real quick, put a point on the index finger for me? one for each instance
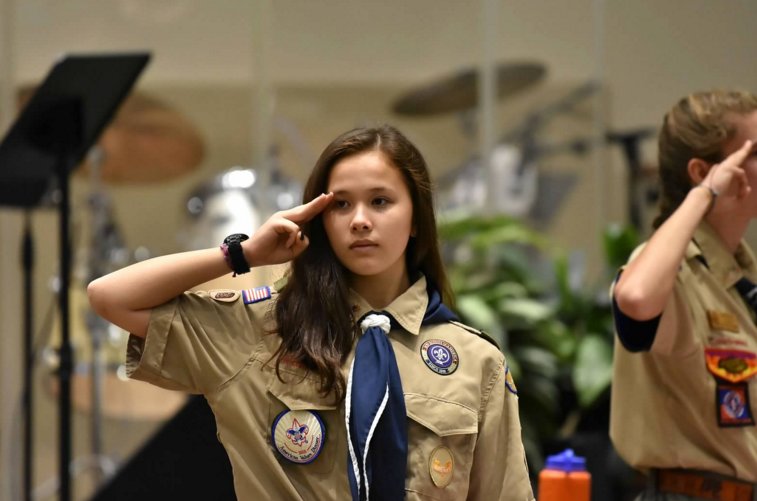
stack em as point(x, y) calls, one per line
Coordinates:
point(738, 156)
point(305, 212)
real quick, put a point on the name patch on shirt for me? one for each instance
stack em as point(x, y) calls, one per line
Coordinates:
point(251, 296)
point(722, 321)
point(298, 435)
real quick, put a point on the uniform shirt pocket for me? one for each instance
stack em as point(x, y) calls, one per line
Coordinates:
point(441, 441)
point(299, 392)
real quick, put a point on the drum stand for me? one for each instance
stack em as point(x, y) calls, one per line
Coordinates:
point(106, 243)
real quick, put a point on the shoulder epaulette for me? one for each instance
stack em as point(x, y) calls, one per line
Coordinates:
point(476, 332)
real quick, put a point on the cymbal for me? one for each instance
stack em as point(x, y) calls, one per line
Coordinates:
point(147, 141)
point(459, 91)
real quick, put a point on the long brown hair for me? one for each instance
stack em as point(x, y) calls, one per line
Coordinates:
point(313, 314)
point(698, 126)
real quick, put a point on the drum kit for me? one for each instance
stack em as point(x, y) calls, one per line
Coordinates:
point(523, 192)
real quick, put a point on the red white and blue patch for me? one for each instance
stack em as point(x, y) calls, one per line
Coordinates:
point(733, 405)
point(298, 435)
point(256, 295)
point(440, 356)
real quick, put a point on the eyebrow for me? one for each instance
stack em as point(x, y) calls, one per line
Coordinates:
point(377, 189)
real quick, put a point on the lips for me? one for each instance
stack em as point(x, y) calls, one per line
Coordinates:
point(362, 244)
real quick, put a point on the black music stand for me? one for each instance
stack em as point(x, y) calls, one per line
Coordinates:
point(63, 119)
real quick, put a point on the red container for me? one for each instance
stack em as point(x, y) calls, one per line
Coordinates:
point(564, 478)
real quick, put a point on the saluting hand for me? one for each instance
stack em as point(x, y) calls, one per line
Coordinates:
point(728, 178)
point(280, 238)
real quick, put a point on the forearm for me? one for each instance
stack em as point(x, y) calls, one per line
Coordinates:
point(126, 296)
point(646, 283)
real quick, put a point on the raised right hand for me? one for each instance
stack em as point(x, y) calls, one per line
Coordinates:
point(280, 238)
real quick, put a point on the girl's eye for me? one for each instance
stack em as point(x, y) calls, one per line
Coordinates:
point(340, 204)
point(380, 202)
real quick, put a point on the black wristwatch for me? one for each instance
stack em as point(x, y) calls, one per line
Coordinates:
point(233, 253)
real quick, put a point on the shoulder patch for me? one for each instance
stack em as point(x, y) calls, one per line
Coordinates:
point(224, 295)
point(251, 296)
point(476, 332)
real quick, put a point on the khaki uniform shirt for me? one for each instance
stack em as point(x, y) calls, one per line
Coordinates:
point(664, 411)
point(219, 348)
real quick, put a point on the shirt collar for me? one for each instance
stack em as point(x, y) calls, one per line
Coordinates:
point(408, 309)
point(727, 268)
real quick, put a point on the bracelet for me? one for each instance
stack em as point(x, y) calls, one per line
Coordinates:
point(713, 195)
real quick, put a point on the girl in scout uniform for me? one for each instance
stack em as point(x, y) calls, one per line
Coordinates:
point(351, 379)
point(685, 388)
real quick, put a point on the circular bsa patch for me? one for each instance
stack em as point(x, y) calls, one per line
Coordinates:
point(441, 464)
point(298, 435)
point(440, 356)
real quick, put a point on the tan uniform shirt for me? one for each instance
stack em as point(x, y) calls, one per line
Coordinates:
point(665, 411)
point(219, 348)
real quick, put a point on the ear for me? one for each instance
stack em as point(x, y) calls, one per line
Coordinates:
point(697, 170)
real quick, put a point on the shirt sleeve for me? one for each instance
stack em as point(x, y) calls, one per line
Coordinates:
point(499, 464)
point(194, 343)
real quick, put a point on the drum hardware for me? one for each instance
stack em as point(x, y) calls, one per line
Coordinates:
point(459, 92)
point(514, 168)
point(233, 201)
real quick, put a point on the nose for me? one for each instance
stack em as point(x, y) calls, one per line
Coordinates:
point(360, 220)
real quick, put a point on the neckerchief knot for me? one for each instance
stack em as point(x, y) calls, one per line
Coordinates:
point(376, 320)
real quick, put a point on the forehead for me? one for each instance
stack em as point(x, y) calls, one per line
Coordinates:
point(367, 170)
point(746, 128)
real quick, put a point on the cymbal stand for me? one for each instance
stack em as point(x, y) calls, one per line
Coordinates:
point(105, 242)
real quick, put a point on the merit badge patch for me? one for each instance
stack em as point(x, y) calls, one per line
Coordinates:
point(440, 356)
point(441, 465)
point(733, 405)
point(732, 365)
point(224, 295)
point(298, 435)
point(509, 382)
point(255, 295)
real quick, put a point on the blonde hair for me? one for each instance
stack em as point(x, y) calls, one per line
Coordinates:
point(698, 126)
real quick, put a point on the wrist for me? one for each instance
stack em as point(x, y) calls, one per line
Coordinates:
point(711, 193)
point(233, 253)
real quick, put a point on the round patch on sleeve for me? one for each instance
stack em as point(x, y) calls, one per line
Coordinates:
point(441, 465)
point(440, 356)
point(224, 295)
point(298, 435)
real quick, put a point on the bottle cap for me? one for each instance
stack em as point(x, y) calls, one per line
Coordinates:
point(566, 461)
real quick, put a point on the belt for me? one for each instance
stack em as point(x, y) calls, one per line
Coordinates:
point(704, 485)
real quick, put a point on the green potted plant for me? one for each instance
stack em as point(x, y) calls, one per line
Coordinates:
point(556, 332)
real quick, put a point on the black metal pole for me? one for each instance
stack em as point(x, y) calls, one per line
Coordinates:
point(27, 263)
point(65, 353)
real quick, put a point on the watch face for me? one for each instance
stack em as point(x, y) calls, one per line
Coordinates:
point(235, 238)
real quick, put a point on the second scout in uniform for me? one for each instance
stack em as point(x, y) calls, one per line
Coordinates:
point(352, 379)
point(684, 392)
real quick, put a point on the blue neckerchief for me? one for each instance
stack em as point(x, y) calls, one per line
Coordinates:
point(375, 409)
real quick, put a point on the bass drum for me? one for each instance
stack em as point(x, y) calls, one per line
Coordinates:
point(234, 202)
